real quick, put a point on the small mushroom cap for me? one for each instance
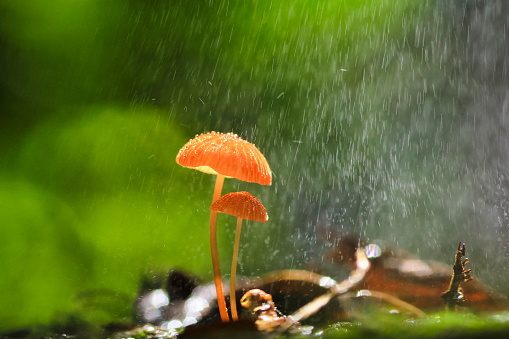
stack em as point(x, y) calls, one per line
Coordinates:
point(225, 154)
point(241, 205)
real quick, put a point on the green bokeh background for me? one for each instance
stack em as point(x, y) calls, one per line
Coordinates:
point(353, 103)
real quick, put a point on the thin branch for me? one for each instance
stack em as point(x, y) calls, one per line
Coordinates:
point(345, 286)
point(454, 296)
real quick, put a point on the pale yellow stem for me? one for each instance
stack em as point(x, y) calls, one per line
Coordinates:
point(221, 303)
point(233, 277)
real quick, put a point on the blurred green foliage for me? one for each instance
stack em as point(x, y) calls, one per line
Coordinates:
point(43, 259)
point(95, 203)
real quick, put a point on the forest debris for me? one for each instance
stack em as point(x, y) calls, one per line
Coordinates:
point(393, 276)
point(260, 304)
point(269, 319)
point(414, 280)
point(362, 266)
point(454, 295)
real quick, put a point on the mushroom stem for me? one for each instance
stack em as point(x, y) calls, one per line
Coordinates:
point(233, 277)
point(218, 188)
point(221, 303)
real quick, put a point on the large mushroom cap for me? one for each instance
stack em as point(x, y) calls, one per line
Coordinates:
point(241, 205)
point(225, 154)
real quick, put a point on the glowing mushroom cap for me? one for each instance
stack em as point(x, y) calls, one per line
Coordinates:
point(241, 205)
point(225, 154)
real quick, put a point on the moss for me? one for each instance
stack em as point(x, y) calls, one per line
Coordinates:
point(442, 325)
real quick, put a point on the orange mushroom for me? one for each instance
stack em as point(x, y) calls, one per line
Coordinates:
point(225, 155)
point(242, 205)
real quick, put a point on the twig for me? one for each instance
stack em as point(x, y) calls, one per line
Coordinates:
point(393, 300)
point(454, 296)
point(316, 304)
